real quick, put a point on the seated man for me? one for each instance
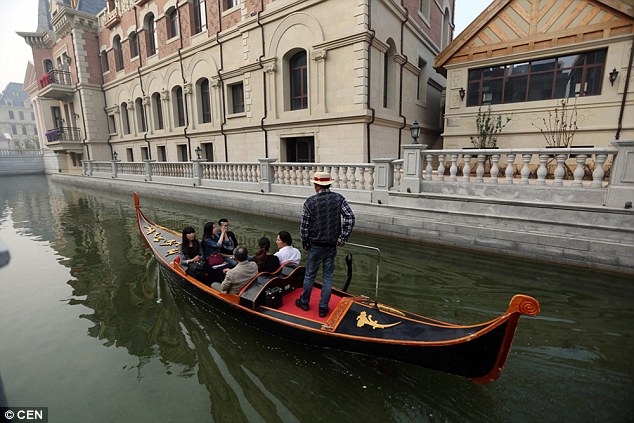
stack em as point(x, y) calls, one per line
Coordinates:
point(286, 252)
point(237, 277)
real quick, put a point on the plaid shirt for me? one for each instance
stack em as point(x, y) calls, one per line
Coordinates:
point(345, 212)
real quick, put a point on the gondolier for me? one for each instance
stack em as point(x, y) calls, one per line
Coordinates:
point(322, 232)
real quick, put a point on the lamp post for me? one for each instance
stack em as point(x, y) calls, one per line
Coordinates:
point(198, 151)
point(415, 131)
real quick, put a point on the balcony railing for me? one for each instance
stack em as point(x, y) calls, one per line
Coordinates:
point(63, 134)
point(113, 18)
point(56, 76)
point(57, 84)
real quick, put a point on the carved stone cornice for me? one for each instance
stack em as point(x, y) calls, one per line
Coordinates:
point(187, 88)
point(165, 95)
point(318, 55)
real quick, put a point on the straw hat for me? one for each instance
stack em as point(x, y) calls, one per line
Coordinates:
point(322, 178)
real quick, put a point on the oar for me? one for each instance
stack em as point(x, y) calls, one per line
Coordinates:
point(349, 278)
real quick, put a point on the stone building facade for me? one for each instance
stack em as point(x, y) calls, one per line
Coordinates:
point(300, 81)
point(17, 119)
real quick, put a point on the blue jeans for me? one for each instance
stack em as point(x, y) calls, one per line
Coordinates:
point(315, 256)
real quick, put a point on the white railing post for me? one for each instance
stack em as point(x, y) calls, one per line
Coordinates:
point(148, 169)
point(621, 187)
point(560, 172)
point(115, 168)
point(542, 172)
point(466, 168)
point(525, 172)
point(453, 171)
point(441, 167)
point(510, 167)
point(480, 169)
point(383, 181)
point(267, 172)
point(197, 171)
point(599, 172)
point(579, 170)
point(495, 170)
point(412, 167)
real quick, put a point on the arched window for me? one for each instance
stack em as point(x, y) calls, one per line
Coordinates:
point(125, 118)
point(179, 105)
point(150, 34)
point(172, 22)
point(48, 65)
point(140, 114)
point(157, 109)
point(204, 103)
point(446, 28)
point(133, 40)
point(118, 52)
point(298, 71)
point(105, 65)
point(199, 13)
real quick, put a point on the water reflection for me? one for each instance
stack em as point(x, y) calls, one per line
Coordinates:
point(578, 348)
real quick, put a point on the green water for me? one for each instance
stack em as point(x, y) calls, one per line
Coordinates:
point(83, 334)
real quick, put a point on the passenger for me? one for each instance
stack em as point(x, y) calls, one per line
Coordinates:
point(214, 262)
point(327, 221)
point(227, 241)
point(266, 261)
point(191, 253)
point(237, 277)
point(287, 254)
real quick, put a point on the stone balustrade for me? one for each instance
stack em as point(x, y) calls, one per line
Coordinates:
point(465, 172)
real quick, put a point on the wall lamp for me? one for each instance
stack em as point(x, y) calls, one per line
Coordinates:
point(462, 93)
point(415, 131)
point(198, 151)
point(613, 76)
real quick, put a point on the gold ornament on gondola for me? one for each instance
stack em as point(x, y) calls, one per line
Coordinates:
point(366, 319)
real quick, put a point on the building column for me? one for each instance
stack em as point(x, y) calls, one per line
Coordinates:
point(319, 56)
point(187, 93)
point(270, 70)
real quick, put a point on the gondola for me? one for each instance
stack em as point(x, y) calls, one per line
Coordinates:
point(353, 323)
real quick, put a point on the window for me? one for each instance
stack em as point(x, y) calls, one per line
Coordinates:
point(541, 79)
point(199, 16)
point(105, 66)
point(182, 153)
point(205, 101)
point(172, 22)
point(230, 3)
point(118, 53)
point(32, 116)
point(48, 65)
point(237, 98)
point(299, 81)
point(23, 129)
point(14, 129)
point(179, 106)
point(150, 34)
point(112, 126)
point(21, 115)
point(157, 108)
point(133, 40)
point(446, 29)
point(300, 149)
point(421, 87)
point(208, 151)
point(423, 8)
point(162, 154)
point(11, 115)
point(125, 118)
point(145, 155)
point(140, 114)
point(129, 154)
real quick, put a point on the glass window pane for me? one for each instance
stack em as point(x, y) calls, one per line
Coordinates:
point(475, 74)
point(493, 72)
point(595, 57)
point(517, 68)
point(542, 65)
point(593, 81)
point(492, 91)
point(473, 94)
point(541, 86)
point(568, 83)
point(570, 61)
point(515, 89)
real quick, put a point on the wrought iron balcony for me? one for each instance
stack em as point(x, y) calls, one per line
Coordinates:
point(65, 138)
point(57, 84)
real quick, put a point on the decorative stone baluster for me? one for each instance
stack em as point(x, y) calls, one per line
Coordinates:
point(525, 172)
point(480, 169)
point(344, 177)
point(579, 170)
point(510, 168)
point(441, 167)
point(598, 173)
point(352, 182)
point(453, 171)
point(428, 169)
point(369, 182)
point(466, 169)
point(559, 171)
point(542, 172)
point(398, 168)
point(495, 170)
point(335, 173)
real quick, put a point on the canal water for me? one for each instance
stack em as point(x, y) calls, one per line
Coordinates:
point(91, 328)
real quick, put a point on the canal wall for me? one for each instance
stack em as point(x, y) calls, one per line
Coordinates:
point(587, 236)
point(27, 162)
